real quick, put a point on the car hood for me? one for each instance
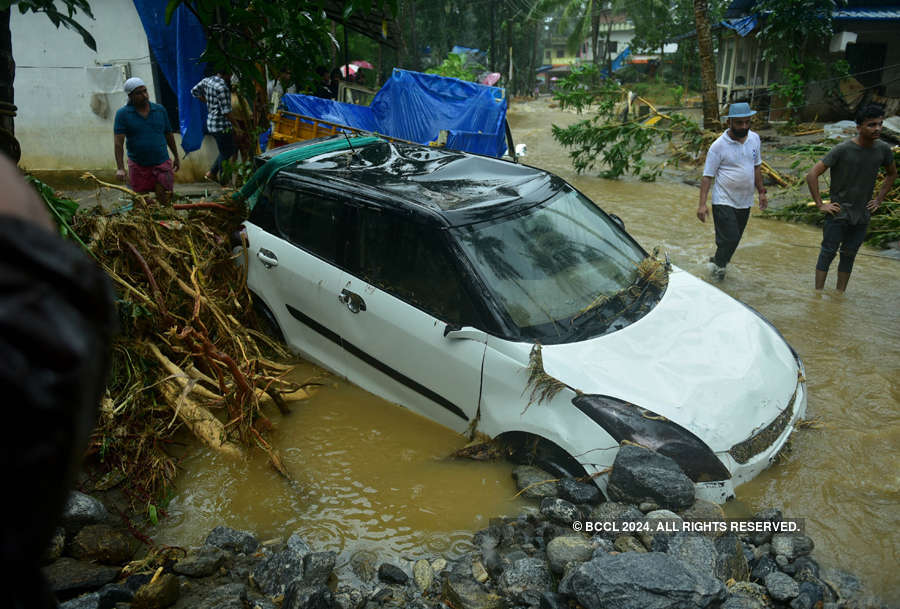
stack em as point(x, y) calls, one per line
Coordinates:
point(699, 358)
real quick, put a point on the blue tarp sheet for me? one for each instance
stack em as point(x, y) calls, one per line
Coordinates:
point(416, 107)
point(177, 48)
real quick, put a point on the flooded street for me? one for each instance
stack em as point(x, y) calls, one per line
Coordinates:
point(371, 476)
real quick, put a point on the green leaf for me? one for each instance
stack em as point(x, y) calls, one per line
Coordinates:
point(151, 514)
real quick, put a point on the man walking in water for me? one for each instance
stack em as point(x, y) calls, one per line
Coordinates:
point(734, 162)
point(854, 165)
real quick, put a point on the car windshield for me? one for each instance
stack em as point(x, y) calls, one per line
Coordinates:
point(560, 271)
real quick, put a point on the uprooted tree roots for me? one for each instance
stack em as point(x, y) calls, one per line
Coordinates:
point(189, 353)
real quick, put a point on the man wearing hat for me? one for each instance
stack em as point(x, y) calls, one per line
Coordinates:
point(145, 128)
point(733, 161)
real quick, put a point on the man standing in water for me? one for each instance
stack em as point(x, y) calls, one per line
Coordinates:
point(216, 94)
point(734, 162)
point(854, 166)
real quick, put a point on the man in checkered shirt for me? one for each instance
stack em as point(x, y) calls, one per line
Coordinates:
point(215, 93)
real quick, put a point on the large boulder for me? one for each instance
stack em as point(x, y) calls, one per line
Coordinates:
point(579, 493)
point(696, 551)
point(239, 542)
point(641, 475)
point(104, 544)
point(644, 581)
point(68, 576)
point(82, 510)
point(273, 574)
point(201, 562)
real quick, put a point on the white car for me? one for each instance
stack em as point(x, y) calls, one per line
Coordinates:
point(493, 296)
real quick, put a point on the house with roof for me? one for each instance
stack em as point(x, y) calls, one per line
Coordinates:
point(865, 36)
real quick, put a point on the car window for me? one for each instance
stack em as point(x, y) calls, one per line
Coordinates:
point(308, 221)
point(411, 262)
point(550, 264)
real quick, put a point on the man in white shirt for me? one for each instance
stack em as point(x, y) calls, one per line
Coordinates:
point(734, 162)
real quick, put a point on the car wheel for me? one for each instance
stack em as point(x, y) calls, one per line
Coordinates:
point(267, 322)
point(529, 449)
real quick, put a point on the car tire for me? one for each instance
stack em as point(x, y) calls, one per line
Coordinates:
point(529, 449)
point(267, 322)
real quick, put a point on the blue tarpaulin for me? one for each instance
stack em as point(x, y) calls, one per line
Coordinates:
point(177, 48)
point(416, 107)
point(742, 26)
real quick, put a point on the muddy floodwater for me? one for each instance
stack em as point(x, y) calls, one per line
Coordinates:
point(371, 476)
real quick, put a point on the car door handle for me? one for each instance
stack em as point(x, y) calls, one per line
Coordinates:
point(352, 301)
point(267, 257)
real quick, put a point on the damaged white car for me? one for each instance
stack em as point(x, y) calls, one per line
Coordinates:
point(491, 296)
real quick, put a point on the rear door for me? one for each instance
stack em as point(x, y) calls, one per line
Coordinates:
point(403, 290)
point(296, 240)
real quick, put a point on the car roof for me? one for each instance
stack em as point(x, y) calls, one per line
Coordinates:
point(449, 187)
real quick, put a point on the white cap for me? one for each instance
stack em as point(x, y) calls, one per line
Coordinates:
point(133, 83)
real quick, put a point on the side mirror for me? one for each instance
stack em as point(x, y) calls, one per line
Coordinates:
point(468, 333)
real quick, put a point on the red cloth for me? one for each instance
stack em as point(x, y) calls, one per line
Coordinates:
point(145, 179)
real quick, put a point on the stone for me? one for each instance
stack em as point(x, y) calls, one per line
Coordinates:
point(564, 586)
point(553, 600)
point(764, 566)
point(559, 510)
point(423, 574)
point(68, 576)
point(525, 581)
point(273, 574)
point(479, 572)
point(55, 547)
point(201, 562)
point(297, 595)
point(743, 602)
point(791, 545)
point(758, 538)
point(82, 510)
point(392, 574)
point(226, 596)
point(627, 543)
point(731, 562)
point(750, 591)
point(845, 584)
point(643, 581)
point(362, 563)
point(640, 474)
point(808, 596)
point(657, 540)
point(782, 561)
point(648, 506)
point(438, 565)
point(781, 587)
point(465, 593)
point(698, 552)
point(317, 567)
point(563, 550)
point(579, 493)
point(349, 598)
point(110, 594)
point(705, 511)
point(534, 482)
point(497, 561)
point(102, 543)
point(602, 545)
point(806, 567)
point(239, 542)
point(158, 593)
point(86, 601)
point(616, 513)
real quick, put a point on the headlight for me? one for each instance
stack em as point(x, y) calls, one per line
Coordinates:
point(625, 421)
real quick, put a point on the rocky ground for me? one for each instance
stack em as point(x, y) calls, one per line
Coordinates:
point(643, 557)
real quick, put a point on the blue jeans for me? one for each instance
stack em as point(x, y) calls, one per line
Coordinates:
point(227, 149)
point(839, 233)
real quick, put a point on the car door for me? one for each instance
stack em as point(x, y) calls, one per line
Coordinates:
point(296, 245)
point(401, 293)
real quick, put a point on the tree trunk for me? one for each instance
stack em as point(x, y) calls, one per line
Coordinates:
point(8, 143)
point(707, 66)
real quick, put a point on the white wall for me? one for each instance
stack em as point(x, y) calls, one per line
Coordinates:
point(57, 77)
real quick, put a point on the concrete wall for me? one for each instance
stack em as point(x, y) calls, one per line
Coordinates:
point(58, 79)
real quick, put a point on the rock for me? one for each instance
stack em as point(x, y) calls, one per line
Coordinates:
point(275, 572)
point(297, 595)
point(67, 576)
point(479, 572)
point(846, 585)
point(439, 565)
point(56, 545)
point(552, 600)
point(563, 550)
point(227, 596)
point(82, 510)
point(362, 563)
point(102, 543)
point(627, 543)
point(791, 545)
point(781, 587)
point(392, 574)
point(767, 515)
point(806, 567)
point(525, 581)
point(239, 542)
point(658, 540)
point(158, 593)
point(497, 561)
point(202, 562)
point(87, 601)
point(317, 567)
point(564, 586)
point(782, 561)
point(559, 510)
point(349, 598)
point(578, 492)
point(698, 552)
point(764, 566)
point(465, 593)
point(640, 474)
point(808, 596)
point(616, 513)
point(643, 581)
point(743, 602)
point(423, 574)
point(731, 562)
point(533, 482)
point(704, 511)
point(601, 545)
point(751, 592)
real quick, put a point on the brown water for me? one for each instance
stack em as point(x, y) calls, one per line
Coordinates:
point(372, 477)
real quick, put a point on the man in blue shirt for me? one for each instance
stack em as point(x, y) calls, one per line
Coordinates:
point(146, 129)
